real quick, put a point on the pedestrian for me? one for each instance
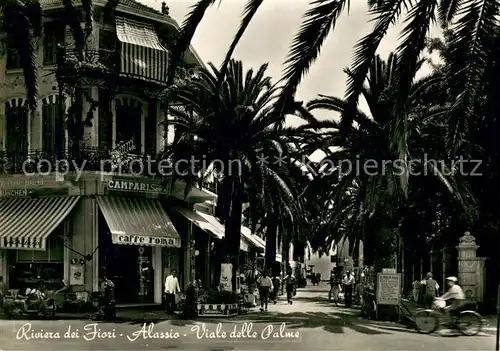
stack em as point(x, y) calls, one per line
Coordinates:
point(265, 287)
point(431, 288)
point(318, 278)
point(290, 286)
point(416, 290)
point(172, 288)
point(276, 289)
point(348, 283)
point(333, 294)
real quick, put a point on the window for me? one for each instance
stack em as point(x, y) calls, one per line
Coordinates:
point(107, 40)
point(128, 127)
point(17, 128)
point(53, 35)
point(52, 128)
point(13, 61)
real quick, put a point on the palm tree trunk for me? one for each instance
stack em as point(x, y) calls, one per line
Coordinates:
point(271, 237)
point(233, 227)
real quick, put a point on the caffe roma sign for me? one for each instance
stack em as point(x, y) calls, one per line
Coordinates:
point(126, 239)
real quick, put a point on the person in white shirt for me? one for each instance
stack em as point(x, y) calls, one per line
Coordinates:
point(265, 287)
point(455, 295)
point(172, 288)
point(348, 283)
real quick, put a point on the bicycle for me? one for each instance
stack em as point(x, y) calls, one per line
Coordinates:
point(429, 320)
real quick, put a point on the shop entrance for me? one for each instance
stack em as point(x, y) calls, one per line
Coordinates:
point(130, 268)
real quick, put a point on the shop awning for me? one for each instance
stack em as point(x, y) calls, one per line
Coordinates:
point(25, 224)
point(141, 52)
point(279, 258)
point(138, 221)
point(246, 233)
point(203, 221)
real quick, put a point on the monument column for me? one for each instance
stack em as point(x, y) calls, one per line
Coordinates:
point(471, 269)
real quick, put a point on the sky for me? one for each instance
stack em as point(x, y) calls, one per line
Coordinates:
point(269, 35)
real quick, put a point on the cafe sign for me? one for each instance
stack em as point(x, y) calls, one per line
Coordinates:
point(128, 239)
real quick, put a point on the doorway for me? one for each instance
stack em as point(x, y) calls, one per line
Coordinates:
point(129, 267)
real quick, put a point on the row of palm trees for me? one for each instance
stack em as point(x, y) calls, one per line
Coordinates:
point(237, 116)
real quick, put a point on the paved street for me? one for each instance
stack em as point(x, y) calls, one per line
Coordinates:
point(311, 324)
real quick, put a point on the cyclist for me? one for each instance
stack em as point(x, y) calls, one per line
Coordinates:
point(455, 295)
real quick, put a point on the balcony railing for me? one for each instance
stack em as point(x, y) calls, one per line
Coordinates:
point(72, 62)
point(88, 159)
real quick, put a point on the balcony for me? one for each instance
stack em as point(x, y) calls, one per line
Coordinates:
point(88, 159)
point(93, 62)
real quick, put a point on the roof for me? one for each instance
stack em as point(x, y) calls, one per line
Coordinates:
point(132, 4)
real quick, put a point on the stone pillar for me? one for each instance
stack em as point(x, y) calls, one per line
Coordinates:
point(471, 269)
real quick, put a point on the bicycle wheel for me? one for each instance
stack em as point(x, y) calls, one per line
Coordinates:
point(470, 323)
point(426, 321)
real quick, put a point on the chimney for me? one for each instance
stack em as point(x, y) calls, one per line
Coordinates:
point(164, 8)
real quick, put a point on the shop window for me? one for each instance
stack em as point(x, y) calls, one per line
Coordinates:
point(52, 129)
point(17, 127)
point(28, 267)
point(54, 252)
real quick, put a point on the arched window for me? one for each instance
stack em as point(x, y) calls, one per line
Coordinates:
point(16, 115)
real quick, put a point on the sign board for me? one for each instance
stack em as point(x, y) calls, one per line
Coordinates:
point(388, 288)
point(76, 276)
point(226, 276)
point(125, 185)
point(144, 240)
point(389, 270)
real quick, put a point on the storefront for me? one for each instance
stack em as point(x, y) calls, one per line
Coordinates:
point(32, 237)
point(133, 232)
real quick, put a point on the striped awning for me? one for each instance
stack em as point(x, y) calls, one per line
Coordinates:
point(255, 241)
point(202, 221)
point(138, 221)
point(141, 52)
point(25, 224)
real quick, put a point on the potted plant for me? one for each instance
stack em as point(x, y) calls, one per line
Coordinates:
point(217, 303)
point(251, 271)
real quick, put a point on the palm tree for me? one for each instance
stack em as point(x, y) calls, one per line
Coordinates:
point(365, 206)
point(472, 26)
point(237, 136)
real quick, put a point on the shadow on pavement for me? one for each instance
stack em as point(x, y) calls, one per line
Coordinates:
point(331, 322)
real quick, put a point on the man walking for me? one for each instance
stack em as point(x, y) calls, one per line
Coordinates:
point(348, 283)
point(290, 286)
point(265, 287)
point(431, 288)
point(172, 288)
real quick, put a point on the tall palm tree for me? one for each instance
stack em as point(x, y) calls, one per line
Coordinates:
point(236, 136)
point(365, 205)
point(472, 25)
